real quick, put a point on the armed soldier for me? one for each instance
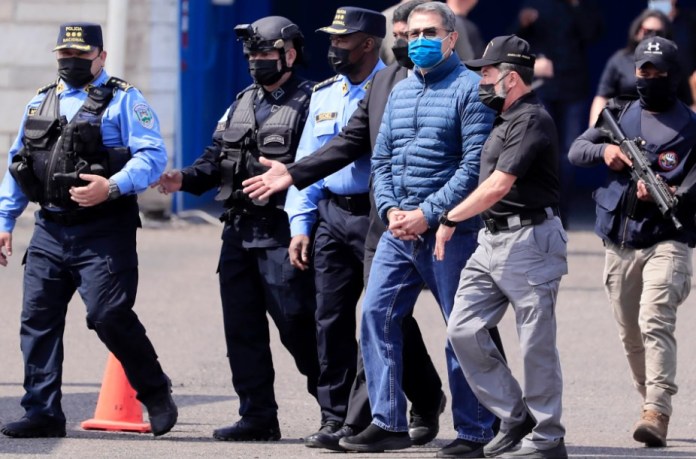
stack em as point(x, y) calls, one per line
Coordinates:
point(648, 266)
point(255, 273)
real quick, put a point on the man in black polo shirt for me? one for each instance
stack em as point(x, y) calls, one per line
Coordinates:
point(520, 259)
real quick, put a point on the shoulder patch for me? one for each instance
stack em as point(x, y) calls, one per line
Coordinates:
point(47, 87)
point(325, 83)
point(118, 83)
point(144, 114)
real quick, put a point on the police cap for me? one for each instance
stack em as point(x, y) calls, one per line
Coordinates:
point(350, 19)
point(660, 52)
point(509, 49)
point(82, 36)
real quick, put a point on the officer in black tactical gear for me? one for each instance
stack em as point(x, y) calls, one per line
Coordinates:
point(88, 144)
point(255, 273)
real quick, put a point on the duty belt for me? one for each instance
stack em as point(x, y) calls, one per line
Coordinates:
point(517, 221)
point(89, 214)
point(353, 203)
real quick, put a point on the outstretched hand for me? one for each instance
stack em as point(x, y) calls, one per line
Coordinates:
point(263, 186)
point(169, 182)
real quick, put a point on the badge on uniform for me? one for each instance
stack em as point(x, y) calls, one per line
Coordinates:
point(344, 88)
point(145, 115)
point(668, 160)
point(326, 116)
point(31, 111)
point(278, 93)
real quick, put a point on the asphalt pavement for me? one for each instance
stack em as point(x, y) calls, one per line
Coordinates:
point(179, 304)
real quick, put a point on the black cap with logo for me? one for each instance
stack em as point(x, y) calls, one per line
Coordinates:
point(660, 52)
point(510, 49)
point(350, 19)
point(82, 36)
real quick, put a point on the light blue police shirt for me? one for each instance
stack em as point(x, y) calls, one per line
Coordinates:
point(329, 110)
point(127, 121)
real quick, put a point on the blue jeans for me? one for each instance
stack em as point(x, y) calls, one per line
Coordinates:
point(399, 271)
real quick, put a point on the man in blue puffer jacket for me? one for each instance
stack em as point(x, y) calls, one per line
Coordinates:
point(425, 161)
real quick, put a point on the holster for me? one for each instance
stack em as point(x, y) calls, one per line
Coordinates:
point(23, 173)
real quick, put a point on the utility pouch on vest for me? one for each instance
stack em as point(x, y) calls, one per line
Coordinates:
point(22, 172)
point(234, 145)
point(70, 179)
point(40, 131)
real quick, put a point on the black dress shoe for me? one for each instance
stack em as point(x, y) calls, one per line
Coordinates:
point(375, 439)
point(330, 440)
point(162, 412)
point(245, 430)
point(326, 428)
point(505, 440)
point(424, 427)
point(462, 448)
point(37, 427)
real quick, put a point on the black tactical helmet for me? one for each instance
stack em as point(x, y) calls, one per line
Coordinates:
point(269, 33)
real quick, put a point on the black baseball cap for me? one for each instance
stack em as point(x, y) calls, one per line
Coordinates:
point(350, 19)
point(659, 51)
point(83, 36)
point(510, 49)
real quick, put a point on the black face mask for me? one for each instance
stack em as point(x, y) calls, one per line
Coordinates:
point(656, 94)
point(400, 50)
point(490, 98)
point(339, 60)
point(75, 71)
point(265, 72)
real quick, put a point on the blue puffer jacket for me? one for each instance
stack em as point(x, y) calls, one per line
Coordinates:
point(428, 149)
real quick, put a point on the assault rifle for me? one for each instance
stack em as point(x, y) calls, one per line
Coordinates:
point(640, 170)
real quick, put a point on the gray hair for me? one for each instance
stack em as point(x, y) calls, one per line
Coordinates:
point(526, 73)
point(445, 13)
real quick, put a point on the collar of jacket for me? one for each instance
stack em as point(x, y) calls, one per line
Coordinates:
point(441, 70)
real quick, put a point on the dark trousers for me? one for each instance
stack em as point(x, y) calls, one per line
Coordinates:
point(254, 282)
point(99, 260)
point(339, 245)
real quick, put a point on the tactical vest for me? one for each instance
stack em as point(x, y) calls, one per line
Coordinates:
point(56, 151)
point(243, 143)
point(621, 216)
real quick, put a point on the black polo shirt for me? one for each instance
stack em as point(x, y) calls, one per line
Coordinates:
point(523, 143)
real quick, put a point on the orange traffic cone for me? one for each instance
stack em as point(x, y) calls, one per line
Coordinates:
point(117, 407)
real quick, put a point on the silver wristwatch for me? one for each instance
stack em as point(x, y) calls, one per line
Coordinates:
point(114, 192)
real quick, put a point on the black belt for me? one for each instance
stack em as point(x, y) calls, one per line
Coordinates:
point(353, 203)
point(88, 214)
point(520, 220)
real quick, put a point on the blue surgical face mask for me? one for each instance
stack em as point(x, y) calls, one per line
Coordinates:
point(664, 6)
point(426, 52)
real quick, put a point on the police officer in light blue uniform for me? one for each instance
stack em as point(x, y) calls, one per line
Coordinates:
point(339, 206)
point(87, 144)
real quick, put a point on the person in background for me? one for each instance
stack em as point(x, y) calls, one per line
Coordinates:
point(619, 75)
point(559, 32)
point(470, 44)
